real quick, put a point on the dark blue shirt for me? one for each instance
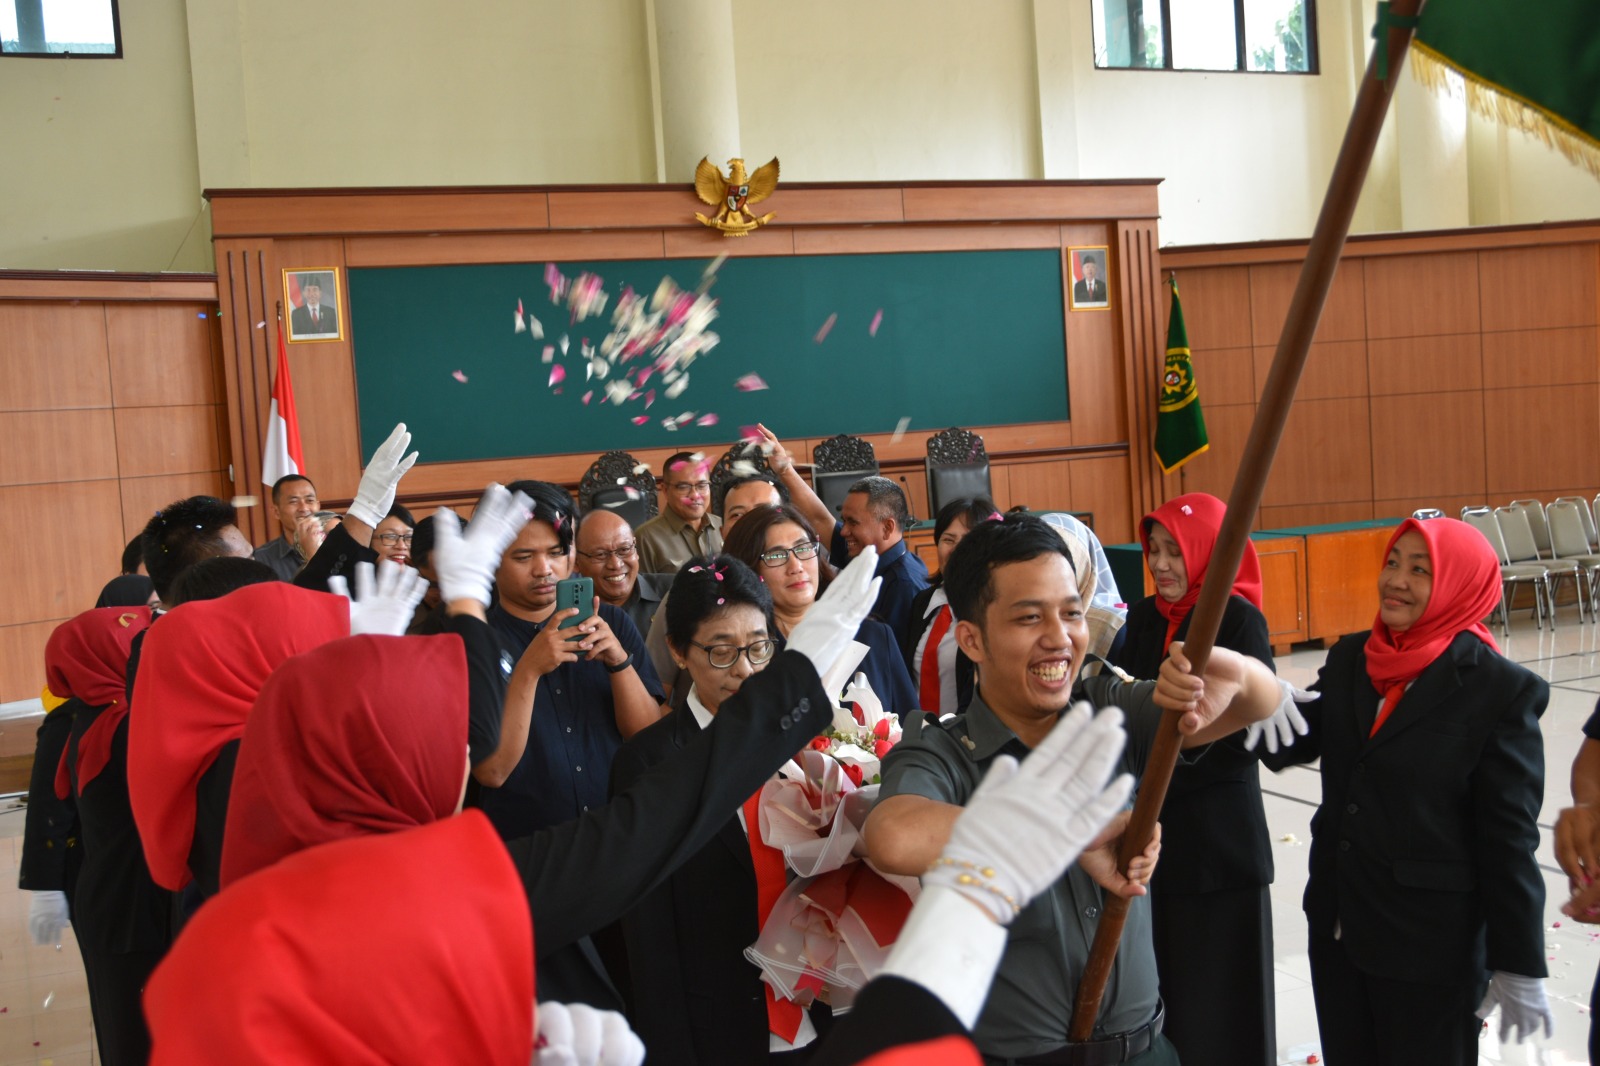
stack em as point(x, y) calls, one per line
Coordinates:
point(884, 667)
point(566, 768)
point(904, 575)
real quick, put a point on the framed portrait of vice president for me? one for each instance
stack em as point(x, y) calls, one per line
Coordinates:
point(1089, 289)
point(312, 296)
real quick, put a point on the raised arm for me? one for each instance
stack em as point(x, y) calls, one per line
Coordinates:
point(801, 495)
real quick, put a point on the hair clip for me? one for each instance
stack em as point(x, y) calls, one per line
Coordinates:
point(995, 516)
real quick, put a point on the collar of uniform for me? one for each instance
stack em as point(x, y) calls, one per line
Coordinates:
point(677, 523)
point(987, 735)
point(888, 558)
point(282, 547)
point(703, 718)
point(650, 587)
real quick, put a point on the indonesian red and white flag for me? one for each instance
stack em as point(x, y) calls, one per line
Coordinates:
point(282, 454)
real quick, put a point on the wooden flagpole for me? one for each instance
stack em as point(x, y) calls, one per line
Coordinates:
point(1397, 21)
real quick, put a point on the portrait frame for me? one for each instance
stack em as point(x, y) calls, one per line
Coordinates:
point(1100, 255)
point(297, 324)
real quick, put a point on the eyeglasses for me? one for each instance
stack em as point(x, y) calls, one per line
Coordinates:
point(780, 556)
point(624, 553)
point(723, 656)
point(391, 539)
point(687, 487)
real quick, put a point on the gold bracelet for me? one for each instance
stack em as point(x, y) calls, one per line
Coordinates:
point(968, 879)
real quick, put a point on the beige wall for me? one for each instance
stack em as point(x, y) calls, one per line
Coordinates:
point(219, 94)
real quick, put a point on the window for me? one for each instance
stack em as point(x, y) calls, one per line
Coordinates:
point(1273, 36)
point(60, 28)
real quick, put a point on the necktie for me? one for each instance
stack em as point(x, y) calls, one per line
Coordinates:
point(928, 683)
point(1390, 698)
point(783, 1015)
point(314, 316)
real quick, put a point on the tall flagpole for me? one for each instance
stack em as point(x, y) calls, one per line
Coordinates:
point(1396, 22)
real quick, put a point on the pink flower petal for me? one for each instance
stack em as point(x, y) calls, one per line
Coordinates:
point(822, 334)
point(641, 420)
point(750, 383)
point(877, 320)
point(558, 374)
point(649, 398)
point(706, 420)
point(750, 434)
point(548, 354)
point(459, 376)
point(587, 397)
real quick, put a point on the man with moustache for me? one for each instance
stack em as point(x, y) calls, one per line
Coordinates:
point(609, 554)
point(686, 529)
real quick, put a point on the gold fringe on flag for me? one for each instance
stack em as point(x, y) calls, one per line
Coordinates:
point(1500, 105)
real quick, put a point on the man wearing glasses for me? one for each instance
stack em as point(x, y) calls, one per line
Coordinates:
point(686, 529)
point(609, 555)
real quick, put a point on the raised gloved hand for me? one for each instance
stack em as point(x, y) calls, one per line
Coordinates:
point(1523, 1005)
point(383, 605)
point(1286, 722)
point(466, 561)
point(579, 1035)
point(1026, 823)
point(831, 623)
point(47, 916)
point(375, 495)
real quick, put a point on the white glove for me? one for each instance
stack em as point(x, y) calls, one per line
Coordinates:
point(383, 607)
point(1286, 722)
point(466, 561)
point(47, 916)
point(580, 1035)
point(1025, 824)
point(375, 495)
point(1523, 1005)
point(831, 623)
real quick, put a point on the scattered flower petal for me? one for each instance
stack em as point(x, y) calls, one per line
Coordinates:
point(750, 434)
point(587, 397)
point(558, 374)
point(877, 320)
point(750, 383)
point(822, 334)
point(706, 420)
point(900, 428)
point(459, 376)
point(641, 420)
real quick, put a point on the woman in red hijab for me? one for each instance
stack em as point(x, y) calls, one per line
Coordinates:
point(121, 918)
point(1210, 899)
point(1424, 890)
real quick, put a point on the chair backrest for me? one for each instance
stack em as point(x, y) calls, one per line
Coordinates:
point(834, 485)
point(614, 471)
point(1536, 523)
point(1483, 520)
point(956, 447)
point(626, 501)
point(1516, 534)
point(946, 483)
point(845, 453)
point(1425, 513)
point(1567, 537)
point(1585, 515)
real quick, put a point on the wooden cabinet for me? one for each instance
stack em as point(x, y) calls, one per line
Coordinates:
point(1342, 567)
point(1283, 588)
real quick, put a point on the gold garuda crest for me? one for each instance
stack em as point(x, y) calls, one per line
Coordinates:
point(733, 195)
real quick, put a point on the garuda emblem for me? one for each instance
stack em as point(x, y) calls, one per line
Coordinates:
point(733, 195)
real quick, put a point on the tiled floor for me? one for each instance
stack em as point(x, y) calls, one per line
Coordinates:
point(44, 1005)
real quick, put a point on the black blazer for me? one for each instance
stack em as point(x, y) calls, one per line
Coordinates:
point(1213, 825)
point(327, 321)
point(917, 625)
point(1423, 848)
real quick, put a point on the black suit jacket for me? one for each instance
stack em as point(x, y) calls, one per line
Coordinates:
point(1423, 848)
point(1080, 292)
point(301, 325)
point(586, 873)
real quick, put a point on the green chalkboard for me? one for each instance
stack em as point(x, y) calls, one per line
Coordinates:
point(965, 338)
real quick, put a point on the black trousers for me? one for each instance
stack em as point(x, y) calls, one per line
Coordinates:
point(1214, 958)
point(116, 992)
point(1375, 1021)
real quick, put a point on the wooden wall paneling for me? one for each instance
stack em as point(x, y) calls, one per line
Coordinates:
point(1450, 505)
point(1450, 362)
point(72, 548)
point(249, 330)
point(1272, 287)
point(1103, 486)
point(1041, 486)
point(1540, 438)
point(1387, 245)
point(375, 211)
point(1283, 590)
point(1333, 369)
point(1325, 455)
point(1427, 444)
point(1514, 358)
point(1216, 306)
point(1293, 516)
point(142, 497)
point(848, 240)
point(44, 447)
point(78, 286)
point(1213, 471)
point(1096, 341)
point(444, 249)
point(53, 356)
point(855, 206)
point(1225, 376)
point(1000, 485)
point(1421, 295)
point(160, 354)
point(960, 203)
point(1538, 288)
point(705, 243)
point(666, 205)
point(22, 657)
point(167, 440)
point(1142, 353)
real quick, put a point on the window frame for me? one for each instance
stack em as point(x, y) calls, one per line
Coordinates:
point(1313, 45)
point(116, 33)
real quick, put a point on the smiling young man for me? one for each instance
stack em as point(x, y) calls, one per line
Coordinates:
point(1021, 619)
point(294, 500)
point(686, 529)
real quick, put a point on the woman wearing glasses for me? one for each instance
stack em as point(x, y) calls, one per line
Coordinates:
point(699, 921)
point(391, 538)
point(781, 547)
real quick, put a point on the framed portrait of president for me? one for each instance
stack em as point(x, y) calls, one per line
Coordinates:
point(1090, 291)
point(312, 298)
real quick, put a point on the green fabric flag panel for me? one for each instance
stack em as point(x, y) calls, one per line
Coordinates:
point(1180, 425)
point(943, 339)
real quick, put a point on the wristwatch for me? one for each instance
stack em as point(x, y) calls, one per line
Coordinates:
point(623, 665)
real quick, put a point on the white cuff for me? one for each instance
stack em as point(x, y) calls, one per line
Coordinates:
point(951, 947)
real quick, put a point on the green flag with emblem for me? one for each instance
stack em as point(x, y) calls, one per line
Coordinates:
point(1180, 426)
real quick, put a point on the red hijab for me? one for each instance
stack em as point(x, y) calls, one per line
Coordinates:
point(199, 675)
point(1466, 587)
point(1194, 520)
point(87, 658)
point(411, 947)
point(361, 736)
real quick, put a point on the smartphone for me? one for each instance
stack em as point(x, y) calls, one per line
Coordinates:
point(575, 592)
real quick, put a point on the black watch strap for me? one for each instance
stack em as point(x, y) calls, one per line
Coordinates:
point(623, 665)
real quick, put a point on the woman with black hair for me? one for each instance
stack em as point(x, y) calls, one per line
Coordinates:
point(943, 675)
point(782, 548)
